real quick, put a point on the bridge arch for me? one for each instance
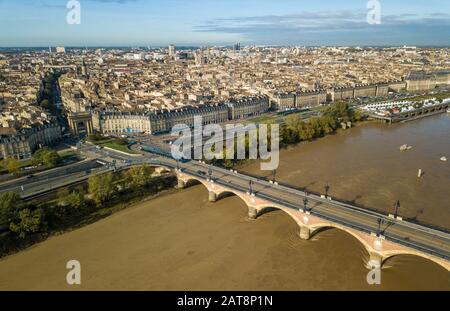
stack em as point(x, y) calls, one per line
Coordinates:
point(290, 212)
point(317, 228)
point(441, 263)
point(191, 181)
point(221, 194)
point(380, 255)
point(217, 192)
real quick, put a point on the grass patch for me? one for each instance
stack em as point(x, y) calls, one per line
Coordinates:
point(113, 143)
point(117, 146)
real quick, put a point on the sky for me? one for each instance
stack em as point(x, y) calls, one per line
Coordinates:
point(25, 23)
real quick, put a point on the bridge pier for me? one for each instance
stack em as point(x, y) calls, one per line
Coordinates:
point(375, 261)
point(305, 233)
point(181, 184)
point(252, 213)
point(212, 196)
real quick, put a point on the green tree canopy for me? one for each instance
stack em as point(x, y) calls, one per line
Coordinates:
point(12, 165)
point(10, 203)
point(45, 103)
point(28, 222)
point(101, 187)
point(47, 157)
point(138, 176)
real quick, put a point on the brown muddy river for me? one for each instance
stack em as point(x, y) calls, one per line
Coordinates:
point(182, 242)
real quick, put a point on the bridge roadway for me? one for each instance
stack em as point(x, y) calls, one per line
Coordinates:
point(418, 237)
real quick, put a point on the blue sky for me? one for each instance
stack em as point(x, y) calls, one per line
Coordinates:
point(222, 22)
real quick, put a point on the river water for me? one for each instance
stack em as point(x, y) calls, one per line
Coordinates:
point(180, 241)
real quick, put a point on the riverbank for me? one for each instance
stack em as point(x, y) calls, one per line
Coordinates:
point(73, 209)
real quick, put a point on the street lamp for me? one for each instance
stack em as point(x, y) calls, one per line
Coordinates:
point(380, 221)
point(274, 173)
point(397, 206)
point(250, 183)
point(327, 189)
point(210, 172)
point(305, 202)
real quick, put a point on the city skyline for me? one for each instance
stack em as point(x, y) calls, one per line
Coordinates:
point(139, 23)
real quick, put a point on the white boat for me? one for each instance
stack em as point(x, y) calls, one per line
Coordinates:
point(444, 159)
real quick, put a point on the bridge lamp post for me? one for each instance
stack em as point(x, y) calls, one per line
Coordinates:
point(397, 206)
point(274, 174)
point(250, 183)
point(305, 203)
point(380, 222)
point(210, 173)
point(327, 189)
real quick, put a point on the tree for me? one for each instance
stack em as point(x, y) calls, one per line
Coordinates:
point(28, 222)
point(289, 135)
point(328, 124)
point(316, 127)
point(306, 132)
point(101, 187)
point(10, 202)
point(38, 156)
point(51, 158)
point(94, 138)
point(44, 156)
point(294, 122)
point(76, 200)
point(339, 111)
point(12, 165)
point(138, 176)
point(63, 196)
point(46, 104)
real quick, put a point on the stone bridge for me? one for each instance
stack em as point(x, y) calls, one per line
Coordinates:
point(379, 249)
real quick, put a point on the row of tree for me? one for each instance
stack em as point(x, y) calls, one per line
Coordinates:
point(44, 156)
point(47, 99)
point(296, 130)
point(24, 219)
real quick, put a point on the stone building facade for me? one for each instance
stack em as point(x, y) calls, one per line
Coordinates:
point(22, 144)
point(121, 122)
point(310, 98)
point(283, 101)
point(247, 107)
point(164, 121)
